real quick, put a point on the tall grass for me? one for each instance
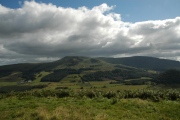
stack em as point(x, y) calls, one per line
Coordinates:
point(154, 95)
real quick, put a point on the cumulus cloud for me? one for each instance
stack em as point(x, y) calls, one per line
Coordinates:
point(43, 32)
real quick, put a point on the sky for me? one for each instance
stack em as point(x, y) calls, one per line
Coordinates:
point(47, 30)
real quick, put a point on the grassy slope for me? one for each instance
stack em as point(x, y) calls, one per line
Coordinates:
point(40, 75)
point(14, 77)
point(85, 62)
point(67, 62)
point(145, 62)
point(33, 108)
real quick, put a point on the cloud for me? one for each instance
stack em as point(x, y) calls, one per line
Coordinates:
point(42, 32)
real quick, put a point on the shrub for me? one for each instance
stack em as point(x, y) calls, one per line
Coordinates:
point(90, 94)
point(61, 88)
point(154, 95)
point(62, 93)
point(110, 94)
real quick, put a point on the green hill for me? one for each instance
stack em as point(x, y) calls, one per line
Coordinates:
point(88, 69)
point(76, 87)
point(145, 62)
point(28, 70)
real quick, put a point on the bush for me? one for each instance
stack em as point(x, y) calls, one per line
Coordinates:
point(110, 94)
point(90, 94)
point(62, 93)
point(61, 88)
point(154, 95)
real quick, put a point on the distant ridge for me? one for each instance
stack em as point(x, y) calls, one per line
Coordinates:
point(144, 62)
point(77, 61)
point(88, 69)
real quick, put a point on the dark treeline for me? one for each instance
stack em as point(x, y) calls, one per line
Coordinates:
point(133, 82)
point(29, 75)
point(58, 75)
point(171, 76)
point(137, 82)
point(28, 70)
point(116, 74)
point(4, 73)
point(26, 75)
point(6, 89)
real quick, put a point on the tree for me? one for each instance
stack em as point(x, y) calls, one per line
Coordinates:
point(169, 77)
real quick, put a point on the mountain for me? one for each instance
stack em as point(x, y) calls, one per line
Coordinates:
point(145, 62)
point(87, 69)
point(28, 70)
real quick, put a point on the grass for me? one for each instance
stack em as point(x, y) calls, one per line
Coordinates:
point(72, 78)
point(70, 108)
point(142, 78)
point(86, 63)
point(96, 101)
point(100, 85)
point(99, 103)
point(40, 76)
point(14, 77)
point(104, 85)
point(7, 83)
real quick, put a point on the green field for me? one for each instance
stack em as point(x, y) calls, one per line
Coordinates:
point(72, 99)
point(38, 107)
point(102, 85)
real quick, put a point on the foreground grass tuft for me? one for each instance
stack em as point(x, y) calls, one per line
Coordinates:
point(70, 108)
point(145, 94)
point(90, 105)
